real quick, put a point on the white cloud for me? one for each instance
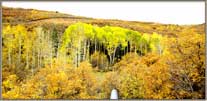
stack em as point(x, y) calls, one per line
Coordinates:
point(162, 12)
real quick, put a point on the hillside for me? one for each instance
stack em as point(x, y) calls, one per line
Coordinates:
point(51, 55)
point(32, 17)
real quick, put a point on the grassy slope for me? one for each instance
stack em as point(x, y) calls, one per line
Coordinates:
point(32, 17)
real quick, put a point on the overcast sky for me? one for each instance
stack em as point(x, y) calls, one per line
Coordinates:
point(161, 12)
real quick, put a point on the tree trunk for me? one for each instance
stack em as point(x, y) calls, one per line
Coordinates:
point(141, 49)
point(33, 60)
point(95, 45)
point(98, 55)
point(27, 59)
point(84, 50)
point(110, 62)
point(87, 51)
point(130, 49)
point(9, 57)
point(90, 58)
point(114, 56)
point(135, 50)
point(79, 52)
point(20, 44)
point(38, 58)
point(88, 55)
point(51, 55)
point(57, 50)
point(76, 58)
point(160, 50)
point(127, 47)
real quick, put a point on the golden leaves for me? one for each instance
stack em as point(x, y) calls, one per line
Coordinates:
point(57, 82)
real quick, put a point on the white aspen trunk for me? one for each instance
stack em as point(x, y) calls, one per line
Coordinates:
point(33, 60)
point(160, 49)
point(85, 47)
point(51, 54)
point(89, 57)
point(110, 56)
point(114, 56)
point(38, 50)
point(87, 50)
point(38, 58)
point(79, 52)
point(9, 57)
point(97, 58)
point(99, 54)
point(27, 59)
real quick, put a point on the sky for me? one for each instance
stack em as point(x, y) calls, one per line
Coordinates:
point(182, 13)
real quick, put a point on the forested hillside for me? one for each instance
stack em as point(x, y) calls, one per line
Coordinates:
point(50, 55)
point(33, 18)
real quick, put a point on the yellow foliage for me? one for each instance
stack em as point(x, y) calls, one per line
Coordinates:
point(145, 77)
point(57, 82)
